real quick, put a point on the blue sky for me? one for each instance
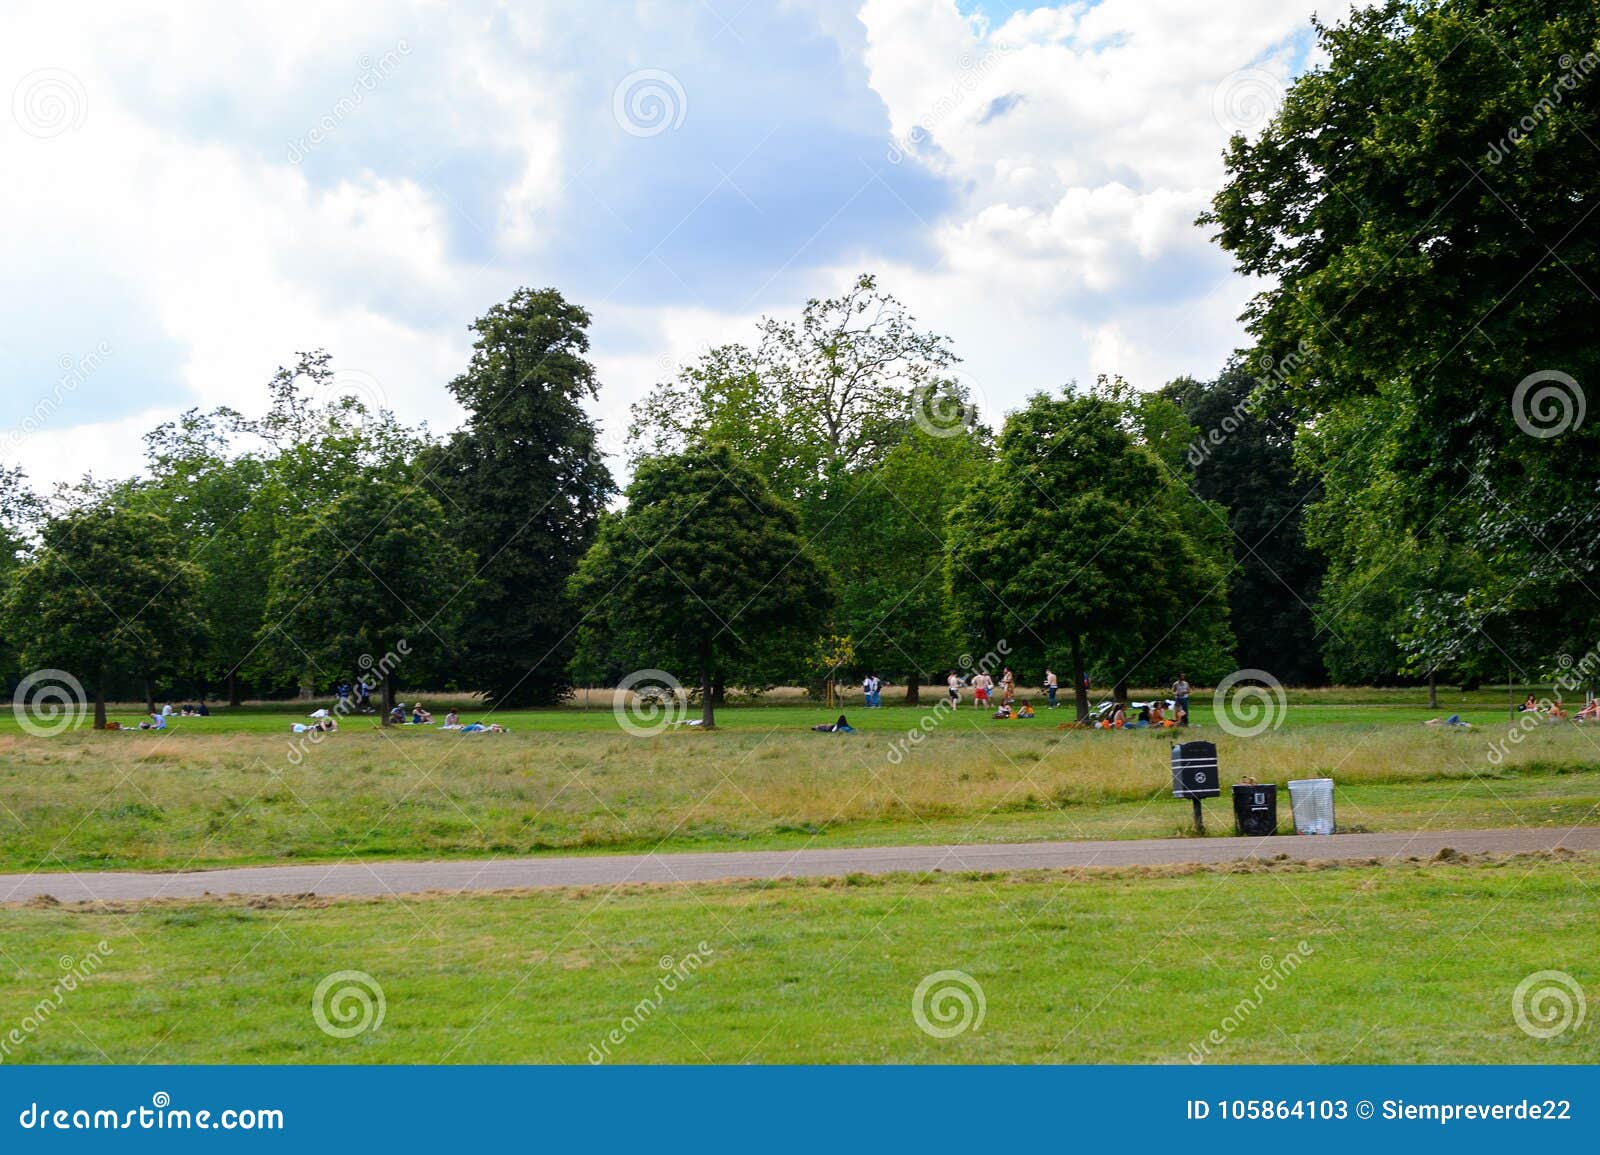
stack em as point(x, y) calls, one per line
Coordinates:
point(200, 193)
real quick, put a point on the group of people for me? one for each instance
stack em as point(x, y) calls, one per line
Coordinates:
point(1151, 715)
point(357, 698)
point(421, 716)
point(1556, 711)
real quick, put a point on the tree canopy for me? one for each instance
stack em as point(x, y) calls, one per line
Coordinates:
point(705, 569)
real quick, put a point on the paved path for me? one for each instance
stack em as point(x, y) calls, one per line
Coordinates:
point(376, 878)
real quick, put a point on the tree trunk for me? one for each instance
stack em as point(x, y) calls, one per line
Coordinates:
point(388, 695)
point(204, 685)
point(1433, 689)
point(708, 703)
point(149, 697)
point(1080, 694)
point(1120, 691)
point(719, 691)
point(99, 707)
point(913, 688)
point(233, 688)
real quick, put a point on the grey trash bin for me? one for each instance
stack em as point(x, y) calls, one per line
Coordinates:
point(1311, 800)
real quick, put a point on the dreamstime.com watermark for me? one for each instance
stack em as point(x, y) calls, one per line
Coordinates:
point(348, 1003)
point(1571, 677)
point(76, 971)
point(367, 81)
point(1548, 403)
point(934, 718)
point(1574, 72)
point(649, 102)
point(1548, 1003)
point(74, 372)
point(49, 102)
point(948, 1003)
point(160, 1115)
point(1249, 702)
point(675, 973)
point(648, 701)
point(950, 406)
point(48, 702)
point(1245, 100)
point(1274, 973)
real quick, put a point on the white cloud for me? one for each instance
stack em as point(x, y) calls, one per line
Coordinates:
point(1084, 142)
point(1077, 144)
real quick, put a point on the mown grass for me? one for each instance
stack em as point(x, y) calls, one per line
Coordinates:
point(231, 790)
point(1415, 963)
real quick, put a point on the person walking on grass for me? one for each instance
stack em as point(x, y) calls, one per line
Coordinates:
point(1180, 697)
point(954, 682)
point(1050, 687)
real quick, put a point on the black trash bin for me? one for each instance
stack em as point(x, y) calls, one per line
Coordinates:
point(1255, 809)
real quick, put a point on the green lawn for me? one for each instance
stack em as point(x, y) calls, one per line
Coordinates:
point(1413, 963)
point(240, 788)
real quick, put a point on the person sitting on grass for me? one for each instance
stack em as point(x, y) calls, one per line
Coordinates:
point(452, 721)
point(420, 717)
point(1158, 714)
point(158, 721)
point(397, 716)
point(1557, 711)
point(1530, 705)
point(1024, 711)
point(839, 727)
point(1590, 712)
point(1004, 712)
point(1119, 717)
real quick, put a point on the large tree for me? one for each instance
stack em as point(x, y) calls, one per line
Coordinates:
point(524, 486)
point(369, 576)
point(1242, 458)
point(705, 570)
point(854, 413)
point(832, 390)
point(108, 595)
point(20, 514)
point(882, 531)
point(212, 495)
point(1420, 211)
point(1081, 550)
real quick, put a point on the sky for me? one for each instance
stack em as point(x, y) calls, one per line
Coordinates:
point(194, 192)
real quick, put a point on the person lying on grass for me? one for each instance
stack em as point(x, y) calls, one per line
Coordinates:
point(480, 728)
point(1590, 713)
point(1452, 720)
point(839, 727)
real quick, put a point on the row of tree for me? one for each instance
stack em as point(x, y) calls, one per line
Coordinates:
point(821, 503)
point(1376, 489)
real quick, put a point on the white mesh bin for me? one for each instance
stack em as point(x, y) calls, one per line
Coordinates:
point(1311, 799)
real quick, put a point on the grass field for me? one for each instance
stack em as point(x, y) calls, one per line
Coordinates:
point(1409, 963)
point(239, 788)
